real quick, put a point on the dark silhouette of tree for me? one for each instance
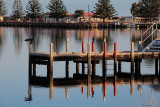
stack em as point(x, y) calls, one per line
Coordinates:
point(104, 9)
point(33, 9)
point(57, 9)
point(17, 12)
point(79, 13)
point(146, 8)
point(3, 10)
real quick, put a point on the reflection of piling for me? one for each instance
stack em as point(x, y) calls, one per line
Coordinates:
point(132, 68)
point(67, 92)
point(51, 71)
point(115, 88)
point(82, 90)
point(104, 90)
point(92, 90)
point(105, 62)
point(89, 69)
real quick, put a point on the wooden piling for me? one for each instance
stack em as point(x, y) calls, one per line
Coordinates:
point(83, 68)
point(77, 68)
point(138, 68)
point(93, 69)
point(132, 68)
point(89, 69)
point(104, 62)
point(51, 71)
point(119, 66)
point(93, 47)
point(30, 63)
point(67, 69)
point(115, 61)
point(156, 66)
point(83, 47)
point(132, 57)
point(34, 70)
point(67, 44)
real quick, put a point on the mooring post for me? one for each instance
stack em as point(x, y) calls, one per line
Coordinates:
point(89, 69)
point(67, 44)
point(83, 47)
point(132, 68)
point(51, 71)
point(105, 62)
point(115, 88)
point(93, 46)
point(119, 66)
point(140, 46)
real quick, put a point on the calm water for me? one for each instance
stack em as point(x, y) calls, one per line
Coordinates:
point(14, 69)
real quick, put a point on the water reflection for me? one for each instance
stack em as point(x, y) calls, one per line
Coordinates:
point(18, 39)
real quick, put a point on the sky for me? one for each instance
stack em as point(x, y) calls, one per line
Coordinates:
point(122, 6)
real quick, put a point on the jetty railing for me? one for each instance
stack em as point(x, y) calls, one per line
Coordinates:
point(151, 34)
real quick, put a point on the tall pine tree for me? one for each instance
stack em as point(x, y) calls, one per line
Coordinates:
point(33, 9)
point(57, 9)
point(146, 8)
point(17, 12)
point(104, 9)
point(3, 10)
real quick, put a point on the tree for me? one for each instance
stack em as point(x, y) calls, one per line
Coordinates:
point(17, 9)
point(33, 9)
point(3, 10)
point(79, 13)
point(146, 8)
point(57, 9)
point(104, 9)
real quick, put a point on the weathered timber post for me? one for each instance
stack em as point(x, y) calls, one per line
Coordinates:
point(77, 68)
point(67, 62)
point(34, 70)
point(93, 62)
point(138, 68)
point(115, 61)
point(132, 68)
point(105, 62)
point(115, 69)
point(93, 69)
point(83, 65)
point(89, 69)
point(140, 46)
point(119, 66)
point(51, 71)
point(156, 66)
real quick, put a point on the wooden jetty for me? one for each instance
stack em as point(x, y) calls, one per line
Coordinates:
point(92, 58)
